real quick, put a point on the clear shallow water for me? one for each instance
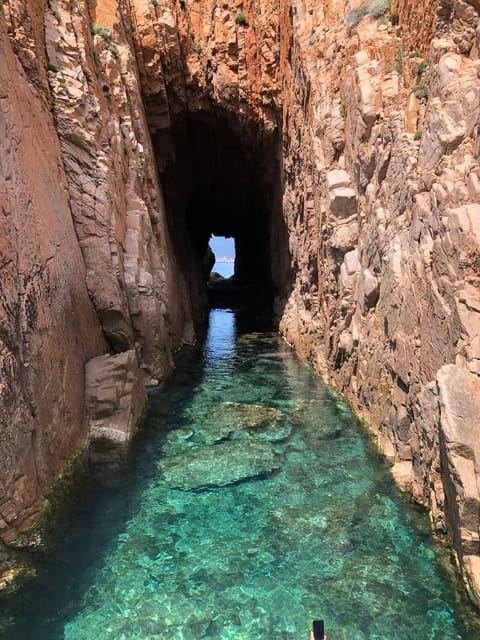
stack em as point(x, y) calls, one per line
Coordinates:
point(325, 535)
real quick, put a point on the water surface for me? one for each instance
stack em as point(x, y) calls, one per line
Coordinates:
point(325, 535)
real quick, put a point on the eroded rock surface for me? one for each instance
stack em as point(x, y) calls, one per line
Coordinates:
point(115, 398)
point(459, 404)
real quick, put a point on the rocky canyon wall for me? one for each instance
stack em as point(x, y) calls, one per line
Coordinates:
point(383, 220)
point(86, 268)
point(363, 130)
point(48, 325)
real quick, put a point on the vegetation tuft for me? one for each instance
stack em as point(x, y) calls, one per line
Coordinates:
point(104, 33)
point(378, 8)
point(420, 91)
point(421, 67)
point(241, 19)
point(374, 8)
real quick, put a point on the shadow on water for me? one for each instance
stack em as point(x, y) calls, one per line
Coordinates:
point(322, 533)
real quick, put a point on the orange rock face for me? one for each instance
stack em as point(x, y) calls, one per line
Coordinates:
point(48, 328)
point(360, 138)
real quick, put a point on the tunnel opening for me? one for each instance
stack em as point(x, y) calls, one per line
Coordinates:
point(221, 281)
point(221, 181)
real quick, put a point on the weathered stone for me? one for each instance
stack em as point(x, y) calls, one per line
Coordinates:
point(459, 399)
point(115, 398)
point(343, 202)
point(337, 179)
point(345, 237)
point(370, 288)
point(351, 262)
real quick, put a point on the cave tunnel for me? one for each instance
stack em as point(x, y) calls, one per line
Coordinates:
point(220, 181)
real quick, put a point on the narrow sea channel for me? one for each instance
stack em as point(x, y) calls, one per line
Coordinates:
point(233, 522)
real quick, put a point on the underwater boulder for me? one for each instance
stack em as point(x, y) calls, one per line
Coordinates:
point(219, 465)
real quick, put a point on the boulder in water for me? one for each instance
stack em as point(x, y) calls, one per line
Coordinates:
point(219, 465)
point(237, 421)
point(228, 421)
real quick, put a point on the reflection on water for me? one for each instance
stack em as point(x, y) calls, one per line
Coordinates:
point(241, 523)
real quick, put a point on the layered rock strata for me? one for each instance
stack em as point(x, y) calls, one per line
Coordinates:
point(363, 133)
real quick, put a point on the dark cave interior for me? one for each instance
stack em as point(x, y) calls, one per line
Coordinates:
point(218, 181)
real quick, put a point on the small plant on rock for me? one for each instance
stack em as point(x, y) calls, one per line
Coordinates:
point(53, 68)
point(241, 19)
point(56, 15)
point(86, 72)
point(197, 48)
point(377, 8)
point(355, 16)
point(112, 47)
point(420, 91)
point(421, 67)
point(382, 22)
point(154, 3)
point(418, 135)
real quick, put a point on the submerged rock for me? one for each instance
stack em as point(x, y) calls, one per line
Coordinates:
point(228, 421)
point(251, 421)
point(219, 465)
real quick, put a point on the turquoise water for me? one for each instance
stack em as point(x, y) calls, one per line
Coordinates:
point(292, 519)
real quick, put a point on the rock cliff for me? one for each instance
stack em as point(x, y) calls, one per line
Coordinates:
point(337, 142)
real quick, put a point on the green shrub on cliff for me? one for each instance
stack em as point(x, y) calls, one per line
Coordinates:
point(420, 91)
point(421, 67)
point(99, 30)
point(241, 18)
point(377, 8)
point(374, 8)
point(355, 16)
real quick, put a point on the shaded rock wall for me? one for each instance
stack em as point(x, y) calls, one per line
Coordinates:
point(48, 328)
point(85, 263)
